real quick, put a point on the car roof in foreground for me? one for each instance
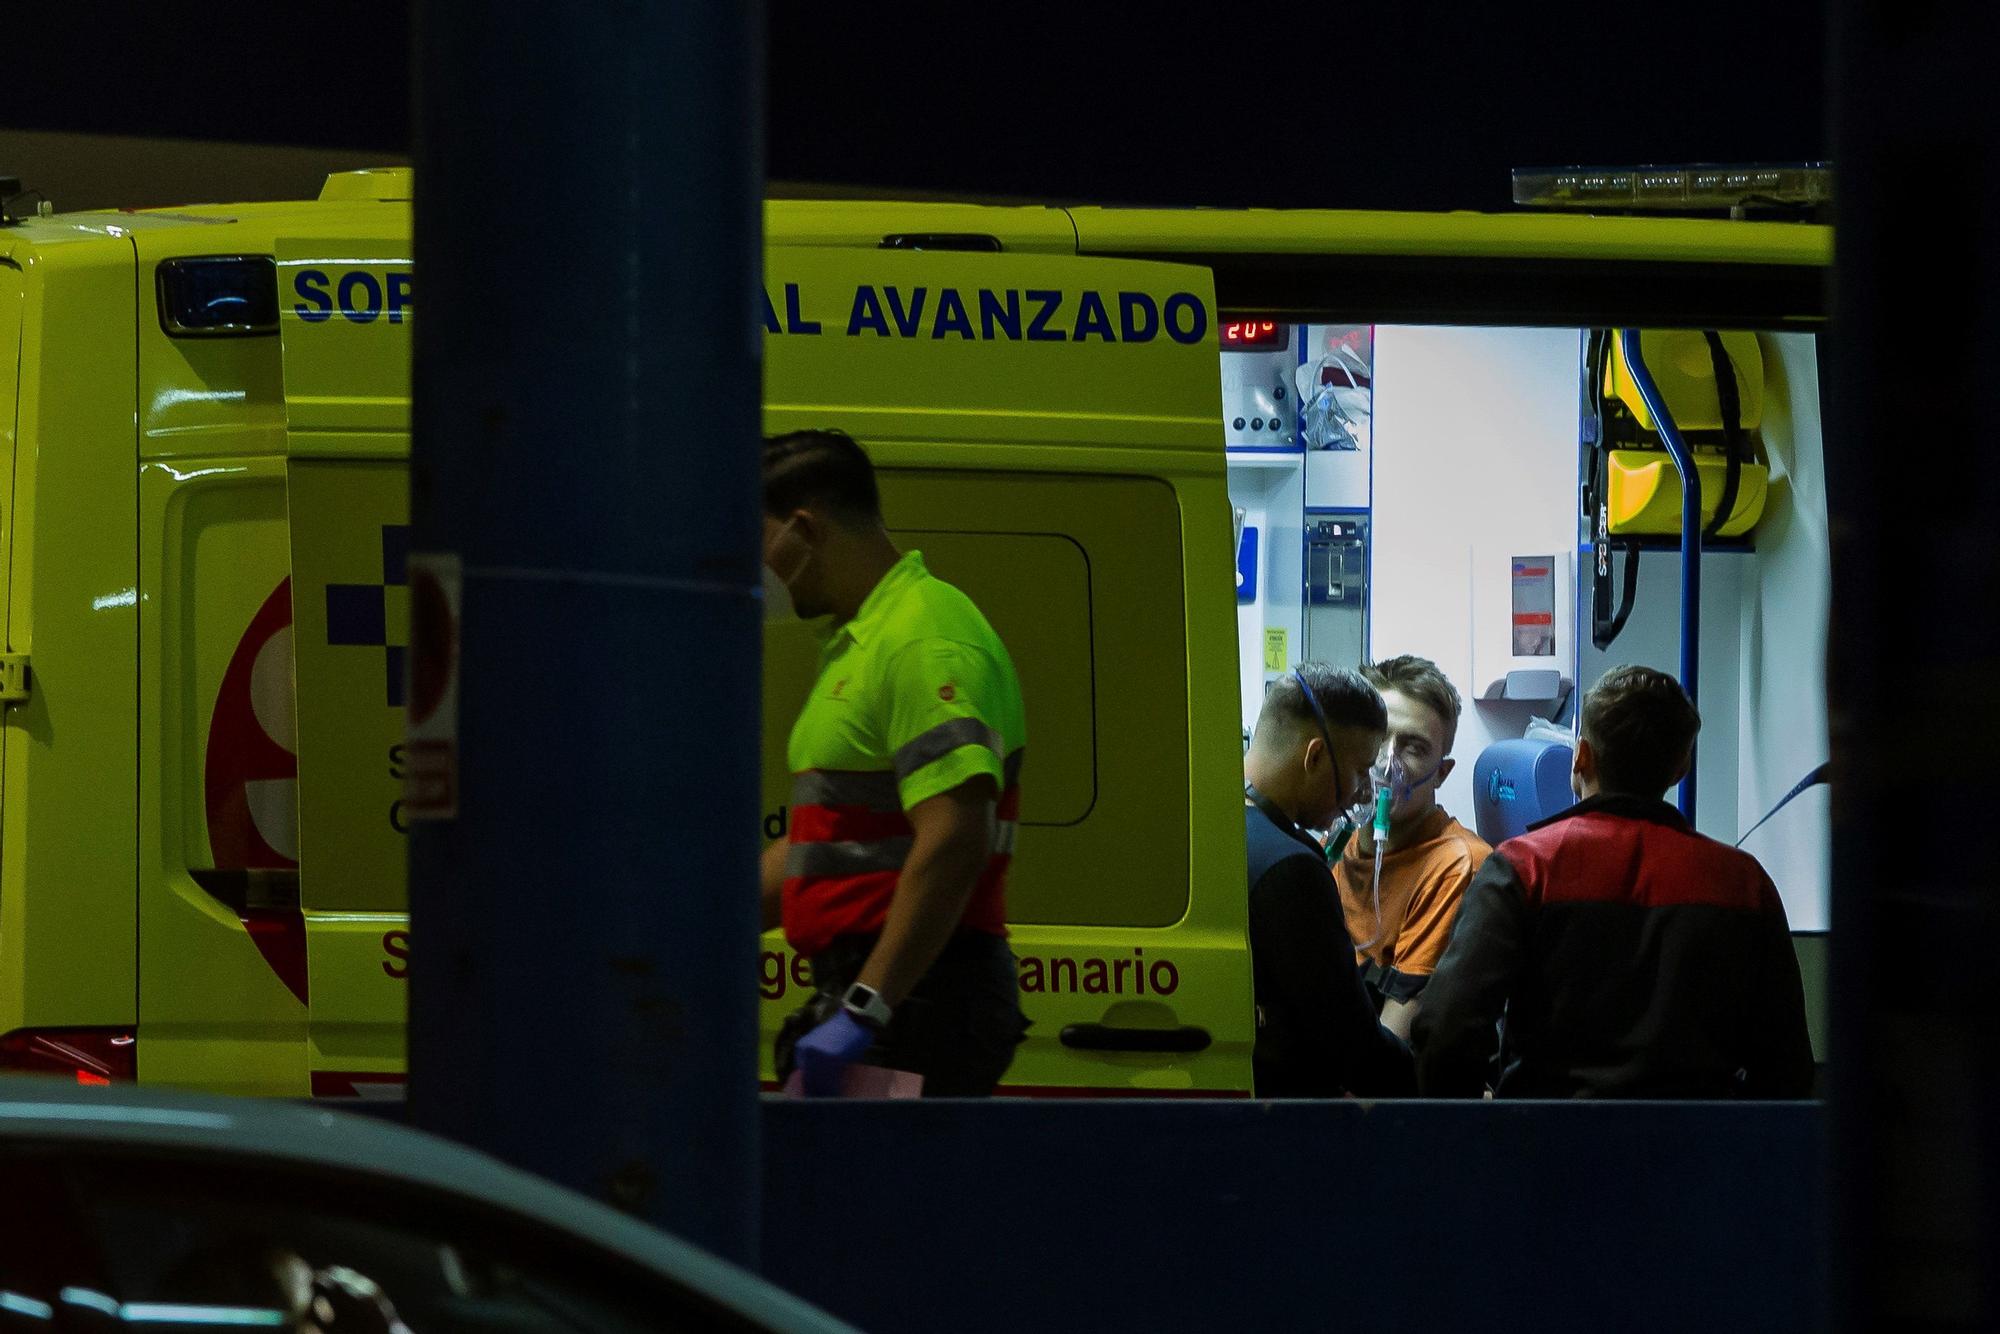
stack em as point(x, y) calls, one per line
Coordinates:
point(125, 1117)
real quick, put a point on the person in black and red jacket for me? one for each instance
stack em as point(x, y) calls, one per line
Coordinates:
point(1612, 952)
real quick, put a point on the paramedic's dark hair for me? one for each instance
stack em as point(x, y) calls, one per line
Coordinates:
point(1420, 679)
point(1344, 696)
point(1641, 724)
point(824, 468)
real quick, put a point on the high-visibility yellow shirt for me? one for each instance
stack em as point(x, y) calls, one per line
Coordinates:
point(916, 695)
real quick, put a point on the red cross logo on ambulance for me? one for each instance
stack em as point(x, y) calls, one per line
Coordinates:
point(250, 777)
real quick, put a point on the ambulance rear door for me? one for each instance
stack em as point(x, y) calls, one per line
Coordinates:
point(344, 317)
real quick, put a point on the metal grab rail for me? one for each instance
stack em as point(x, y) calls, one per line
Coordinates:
point(1677, 447)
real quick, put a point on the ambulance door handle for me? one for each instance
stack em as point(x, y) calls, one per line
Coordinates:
point(1106, 1037)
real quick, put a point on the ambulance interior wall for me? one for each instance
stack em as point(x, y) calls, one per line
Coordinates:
point(1475, 434)
point(1270, 489)
point(1280, 493)
point(1652, 638)
point(1763, 649)
point(1783, 641)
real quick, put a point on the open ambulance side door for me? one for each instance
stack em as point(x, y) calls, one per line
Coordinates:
point(344, 316)
point(1047, 431)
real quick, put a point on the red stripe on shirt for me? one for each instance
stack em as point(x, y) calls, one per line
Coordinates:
point(846, 824)
point(819, 909)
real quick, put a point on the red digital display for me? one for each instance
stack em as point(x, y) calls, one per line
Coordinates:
point(1255, 335)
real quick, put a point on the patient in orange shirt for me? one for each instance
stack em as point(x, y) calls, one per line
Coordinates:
point(1430, 857)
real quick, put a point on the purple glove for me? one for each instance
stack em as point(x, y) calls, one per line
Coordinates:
point(824, 1054)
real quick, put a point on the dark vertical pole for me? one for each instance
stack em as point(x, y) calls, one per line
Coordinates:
point(587, 353)
point(1914, 666)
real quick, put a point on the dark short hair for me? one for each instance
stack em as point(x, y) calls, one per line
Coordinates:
point(1344, 696)
point(1420, 679)
point(824, 468)
point(1641, 724)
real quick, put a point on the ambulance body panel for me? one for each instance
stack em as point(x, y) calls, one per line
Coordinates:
point(345, 313)
point(67, 936)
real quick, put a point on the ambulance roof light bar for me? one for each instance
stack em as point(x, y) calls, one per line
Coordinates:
point(1703, 188)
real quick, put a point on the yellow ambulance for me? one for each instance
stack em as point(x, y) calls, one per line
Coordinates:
point(204, 418)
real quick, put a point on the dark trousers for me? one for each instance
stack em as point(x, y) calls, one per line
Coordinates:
point(957, 1028)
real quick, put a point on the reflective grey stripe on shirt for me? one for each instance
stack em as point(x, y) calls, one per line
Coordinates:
point(1003, 838)
point(945, 738)
point(816, 860)
point(875, 790)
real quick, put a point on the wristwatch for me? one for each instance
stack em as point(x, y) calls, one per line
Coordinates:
point(866, 1004)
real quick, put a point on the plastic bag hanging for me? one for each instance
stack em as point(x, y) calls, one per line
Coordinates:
point(1334, 402)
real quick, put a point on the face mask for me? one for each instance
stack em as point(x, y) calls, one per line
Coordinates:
point(778, 588)
point(777, 598)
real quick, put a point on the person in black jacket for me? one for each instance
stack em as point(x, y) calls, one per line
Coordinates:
point(1317, 1036)
point(1630, 956)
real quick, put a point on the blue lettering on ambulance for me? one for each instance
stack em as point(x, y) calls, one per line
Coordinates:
point(366, 281)
point(1140, 316)
point(1131, 304)
point(951, 316)
point(1197, 329)
point(867, 313)
point(794, 321)
point(770, 313)
point(1047, 303)
point(1092, 318)
point(399, 296)
point(992, 313)
point(907, 321)
point(310, 284)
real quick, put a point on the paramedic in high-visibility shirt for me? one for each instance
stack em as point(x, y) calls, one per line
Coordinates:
point(905, 762)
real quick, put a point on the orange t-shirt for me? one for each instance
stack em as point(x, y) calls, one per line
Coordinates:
point(1422, 884)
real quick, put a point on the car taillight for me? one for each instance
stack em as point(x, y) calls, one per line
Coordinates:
point(87, 1055)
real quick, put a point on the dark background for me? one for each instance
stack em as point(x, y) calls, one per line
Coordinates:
point(1387, 105)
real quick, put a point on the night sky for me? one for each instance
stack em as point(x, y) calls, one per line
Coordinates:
point(1395, 104)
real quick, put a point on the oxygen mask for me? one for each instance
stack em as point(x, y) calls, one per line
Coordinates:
point(1393, 786)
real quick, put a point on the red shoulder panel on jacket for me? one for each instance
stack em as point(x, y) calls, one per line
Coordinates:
point(1604, 858)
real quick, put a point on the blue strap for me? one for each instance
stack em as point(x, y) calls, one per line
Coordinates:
point(1813, 779)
